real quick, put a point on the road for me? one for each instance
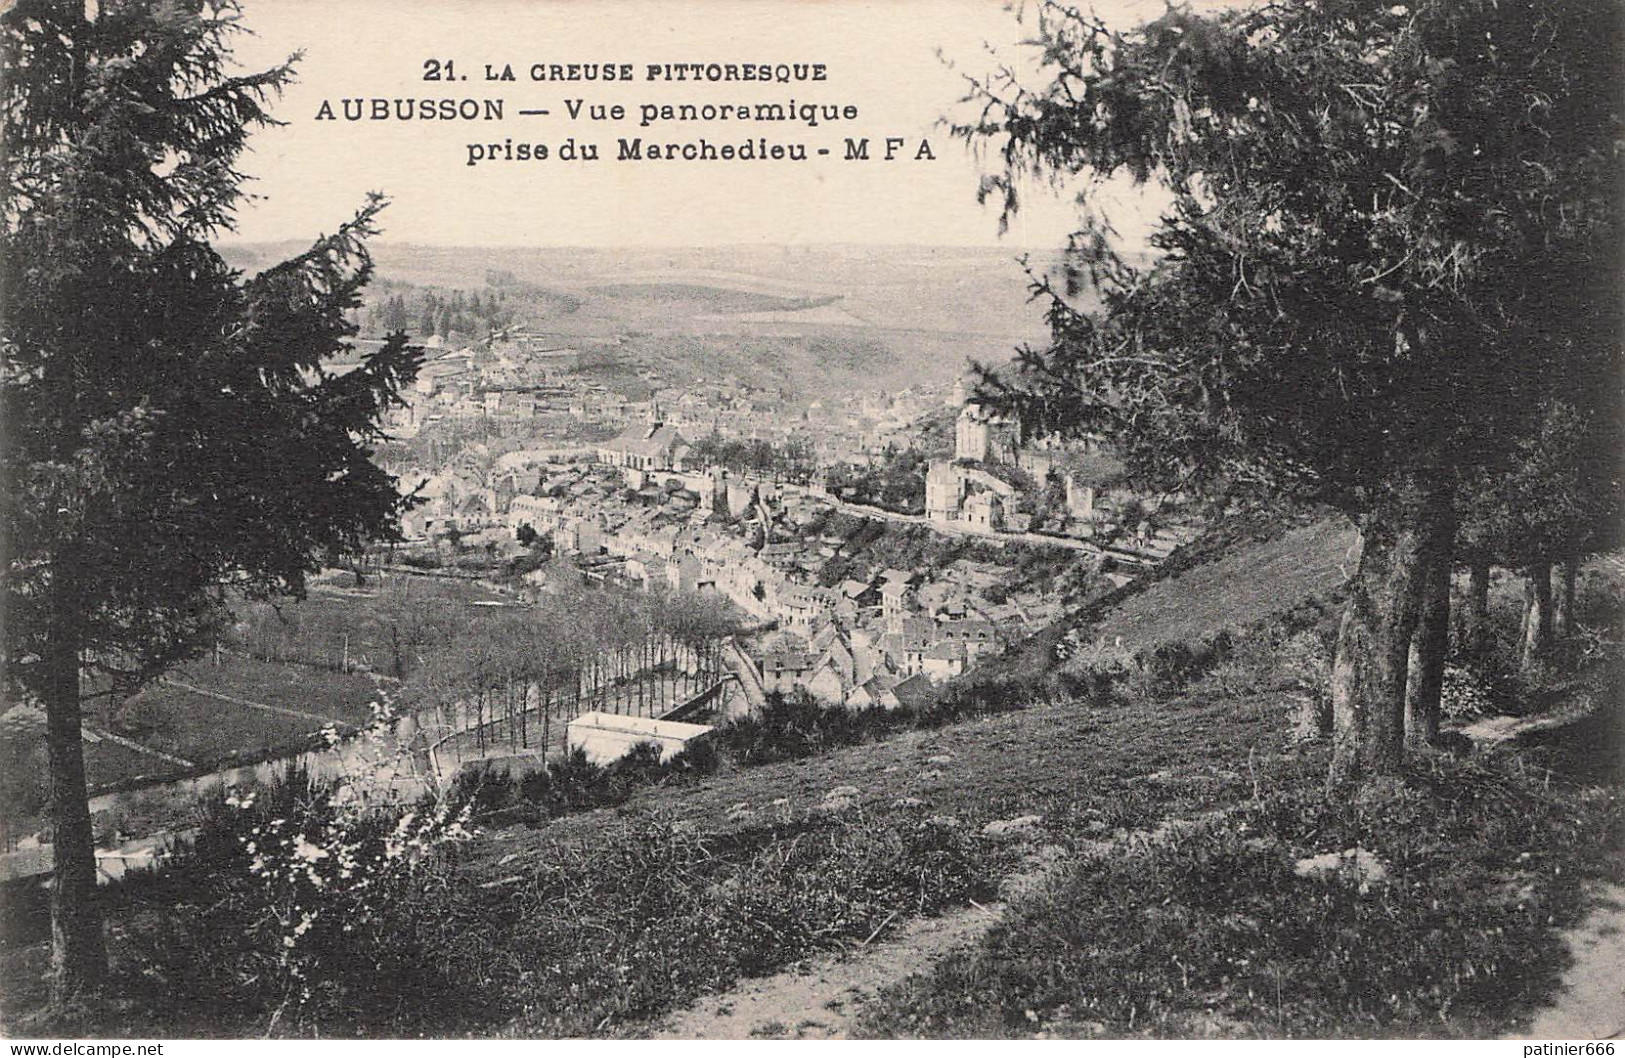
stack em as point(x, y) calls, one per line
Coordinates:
point(998, 538)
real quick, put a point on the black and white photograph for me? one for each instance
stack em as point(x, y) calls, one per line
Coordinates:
point(812, 520)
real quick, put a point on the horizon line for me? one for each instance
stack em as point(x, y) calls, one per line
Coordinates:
point(382, 241)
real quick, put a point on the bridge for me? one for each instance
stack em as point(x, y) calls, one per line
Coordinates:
point(701, 702)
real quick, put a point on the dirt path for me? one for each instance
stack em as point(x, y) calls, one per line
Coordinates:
point(1591, 1005)
point(819, 999)
point(131, 744)
point(1495, 730)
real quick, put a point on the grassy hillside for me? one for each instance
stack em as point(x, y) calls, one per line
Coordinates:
point(1238, 588)
point(1242, 573)
point(1140, 845)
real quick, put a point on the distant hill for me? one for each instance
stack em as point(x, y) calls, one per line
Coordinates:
point(817, 321)
point(716, 299)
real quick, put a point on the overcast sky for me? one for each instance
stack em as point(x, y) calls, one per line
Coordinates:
point(881, 57)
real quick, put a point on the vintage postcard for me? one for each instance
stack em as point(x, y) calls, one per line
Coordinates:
point(812, 520)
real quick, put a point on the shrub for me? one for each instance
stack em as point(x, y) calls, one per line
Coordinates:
point(576, 783)
point(1136, 676)
point(1598, 602)
point(299, 908)
point(483, 786)
point(700, 757)
point(572, 782)
point(978, 695)
point(1077, 685)
point(536, 786)
point(1466, 695)
point(796, 725)
point(640, 765)
point(1166, 670)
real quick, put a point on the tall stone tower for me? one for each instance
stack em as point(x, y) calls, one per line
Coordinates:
point(971, 434)
point(943, 489)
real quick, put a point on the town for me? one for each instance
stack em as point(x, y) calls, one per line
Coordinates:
point(1155, 571)
point(717, 488)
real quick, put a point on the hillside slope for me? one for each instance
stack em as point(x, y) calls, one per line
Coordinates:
point(1230, 581)
point(1083, 771)
point(1126, 860)
point(1245, 584)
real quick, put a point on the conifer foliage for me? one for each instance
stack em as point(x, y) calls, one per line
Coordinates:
point(171, 432)
point(1387, 263)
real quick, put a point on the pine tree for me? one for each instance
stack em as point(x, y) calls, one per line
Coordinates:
point(395, 315)
point(170, 429)
point(1392, 238)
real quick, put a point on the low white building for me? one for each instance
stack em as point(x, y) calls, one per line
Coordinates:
point(607, 737)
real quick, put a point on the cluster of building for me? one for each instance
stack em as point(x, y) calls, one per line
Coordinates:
point(619, 520)
point(994, 479)
point(979, 486)
point(641, 509)
point(529, 384)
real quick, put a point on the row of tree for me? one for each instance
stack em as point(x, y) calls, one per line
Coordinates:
point(513, 675)
point(433, 313)
point(410, 624)
point(1383, 279)
point(793, 461)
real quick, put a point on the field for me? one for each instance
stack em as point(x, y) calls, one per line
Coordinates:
point(710, 298)
point(196, 723)
point(341, 624)
point(208, 715)
point(108, 763)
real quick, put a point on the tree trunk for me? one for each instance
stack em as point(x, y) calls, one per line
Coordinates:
point(1424, 680)
point(1476, 633)
point(1400, 543)
point(398, 650)
point(1537, 615)
point(524, 714)
point(1563, 602)
point(78, 952)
